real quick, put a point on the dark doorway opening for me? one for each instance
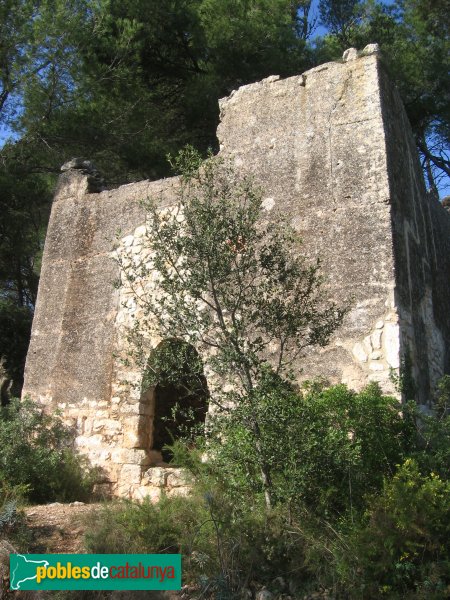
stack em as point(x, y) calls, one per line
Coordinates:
point(181, 394)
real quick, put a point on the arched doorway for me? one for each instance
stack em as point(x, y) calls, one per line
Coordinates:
point(175, 372)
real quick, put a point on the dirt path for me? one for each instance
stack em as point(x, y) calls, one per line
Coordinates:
point(58, 528)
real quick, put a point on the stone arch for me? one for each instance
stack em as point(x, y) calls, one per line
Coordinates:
point(175, 389)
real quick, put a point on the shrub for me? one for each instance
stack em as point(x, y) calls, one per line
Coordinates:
point(9, 499)
point(224, 546)
point(403, 545)
point(35, 451)
point(326, 448)
point(362, 501)
point(15, 327)
point(432, 435)
point(13, 527)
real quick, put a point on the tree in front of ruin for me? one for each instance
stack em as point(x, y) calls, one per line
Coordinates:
point(230, 281)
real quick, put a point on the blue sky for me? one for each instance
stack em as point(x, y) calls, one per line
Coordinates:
point(5, 132)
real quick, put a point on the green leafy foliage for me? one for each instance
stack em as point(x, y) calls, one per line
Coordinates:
point(36, 454)
point(388, 539)
point(23, 205)
point(163, 527)
point(326, 448)
point(341, 17)
point(15, 325)
point(24, 201)
point(13, 526)
point(223, 547)
point(403, 544)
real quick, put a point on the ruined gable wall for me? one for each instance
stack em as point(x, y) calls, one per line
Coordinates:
point(73, 338)
point(316, 144)
point(71, 363)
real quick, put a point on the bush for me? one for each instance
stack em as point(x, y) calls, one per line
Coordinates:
point(326, 448)
point(14, 533)
point(432, 443)
point(224, 546)
point(362, 510)
point(403, 544)
point(15, 327)
point(9, 500)
point(36, 452)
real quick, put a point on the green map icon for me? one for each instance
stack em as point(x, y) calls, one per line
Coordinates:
point(95, 571)
point(23, 569)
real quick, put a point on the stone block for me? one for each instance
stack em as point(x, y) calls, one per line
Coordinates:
point(129, 456)
point(111, 426)
point(143, 492)
point(178, 492)
point(89, 441)
point(155, 477)
point(392, 344)
point(376, 366)
point(176, 478)
point(375, 339)
point(360, 353)
point(130, 474)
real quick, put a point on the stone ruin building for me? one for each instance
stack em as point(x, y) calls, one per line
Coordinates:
point(333, 149)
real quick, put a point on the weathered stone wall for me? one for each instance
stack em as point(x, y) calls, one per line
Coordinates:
point(332, 150)
point(317, 144)
point(421, 236)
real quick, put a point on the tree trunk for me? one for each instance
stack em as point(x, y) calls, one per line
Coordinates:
point(263, 466)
